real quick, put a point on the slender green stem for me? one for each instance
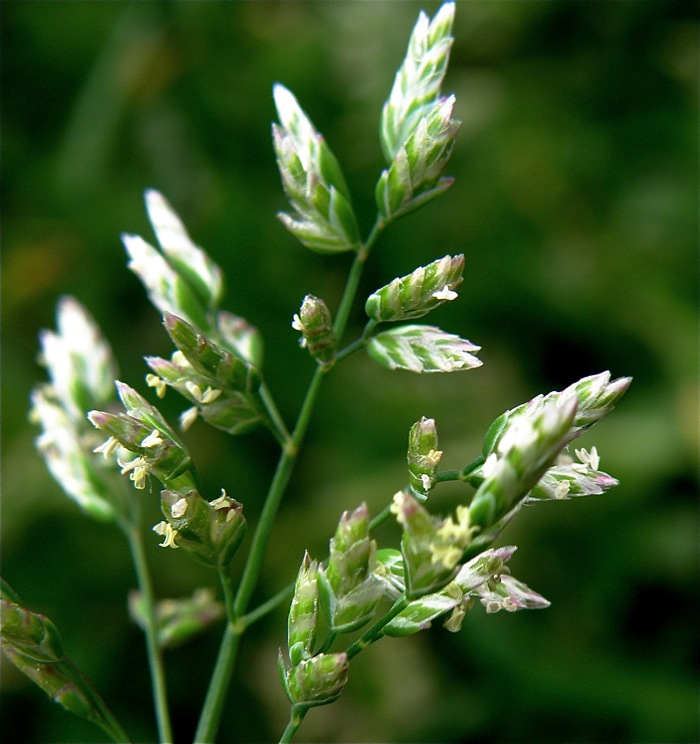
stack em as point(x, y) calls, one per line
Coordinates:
point(467, 470)
point(266, 607)
point(383, 515)
point(295, 718)
point(278, 427)
point(353, 282)
point(330, 637)
point(358, 344)
point(155, 658)
point(448, 475)
point(288, 457)
point(369, 329)
point(374, 234)
point(377, 630)
point(355, 346)
point(275, 420)
point(279, 483)
point(218, 686)
point(227, 589)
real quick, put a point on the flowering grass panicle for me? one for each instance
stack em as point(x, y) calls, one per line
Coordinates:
point(114, 451)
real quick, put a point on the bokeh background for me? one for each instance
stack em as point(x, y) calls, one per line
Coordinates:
point(575, 203)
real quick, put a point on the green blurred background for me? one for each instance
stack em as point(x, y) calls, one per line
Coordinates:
point(576, 206)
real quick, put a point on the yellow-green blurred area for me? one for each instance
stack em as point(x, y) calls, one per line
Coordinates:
point(575, 203)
